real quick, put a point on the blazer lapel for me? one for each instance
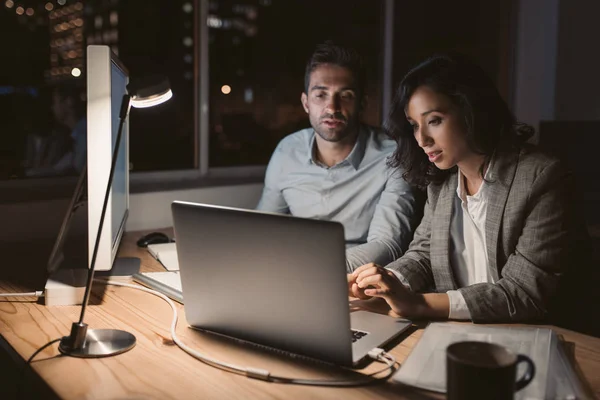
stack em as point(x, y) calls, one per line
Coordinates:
point(440, 235)
point(501, 176)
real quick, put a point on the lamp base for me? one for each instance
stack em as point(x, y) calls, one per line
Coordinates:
point(99, 343)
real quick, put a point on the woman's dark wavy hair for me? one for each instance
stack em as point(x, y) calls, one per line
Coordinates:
point(489, 123)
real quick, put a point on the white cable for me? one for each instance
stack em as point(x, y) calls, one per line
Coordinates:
point(387, 359)
point(174, 336)
point(258, 373)
point(38, 293)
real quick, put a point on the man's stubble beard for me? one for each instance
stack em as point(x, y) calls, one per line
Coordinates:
point(350, 129)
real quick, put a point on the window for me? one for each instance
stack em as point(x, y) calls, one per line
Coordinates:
point(236, 68)
point(160, 37)
point(256, 49)
point(257, 53)
point(42, 87)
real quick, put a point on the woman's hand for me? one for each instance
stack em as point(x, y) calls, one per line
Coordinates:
point(372, 280)
point(353, 289)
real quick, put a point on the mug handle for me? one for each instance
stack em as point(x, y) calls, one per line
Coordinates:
point(529, 374)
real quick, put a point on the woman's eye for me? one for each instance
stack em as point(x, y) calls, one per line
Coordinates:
point(415, 127)
point(435, 121)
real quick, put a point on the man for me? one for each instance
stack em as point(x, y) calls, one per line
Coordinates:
point(337, 170)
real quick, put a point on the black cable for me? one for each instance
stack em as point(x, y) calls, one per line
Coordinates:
point(21, 381)
point(39, 350)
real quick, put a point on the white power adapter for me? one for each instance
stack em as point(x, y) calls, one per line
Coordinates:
point(66, 287)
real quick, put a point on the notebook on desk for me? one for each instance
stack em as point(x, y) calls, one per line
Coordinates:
point(554, 377)
point(166, 253)
point(274, 280)
point(167, 282)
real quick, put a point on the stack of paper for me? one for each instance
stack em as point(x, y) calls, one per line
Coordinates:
point(555, 378)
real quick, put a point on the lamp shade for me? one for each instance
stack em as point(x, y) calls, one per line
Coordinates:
point(149, 91)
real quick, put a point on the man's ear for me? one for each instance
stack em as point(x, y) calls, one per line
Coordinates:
point(304, 101)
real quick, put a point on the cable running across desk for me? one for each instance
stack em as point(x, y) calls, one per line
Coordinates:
point(261, 374)
point(38, 293)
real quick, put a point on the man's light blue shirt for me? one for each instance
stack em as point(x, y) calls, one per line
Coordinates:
point(378, 209)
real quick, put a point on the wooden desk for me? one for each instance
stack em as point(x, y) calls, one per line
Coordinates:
point(157, 369)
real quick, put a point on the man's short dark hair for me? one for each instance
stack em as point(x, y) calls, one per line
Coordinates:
point(346, 57)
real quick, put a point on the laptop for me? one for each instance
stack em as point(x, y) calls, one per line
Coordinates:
point(274, 280)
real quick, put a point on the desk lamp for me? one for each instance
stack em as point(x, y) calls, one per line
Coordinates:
point(92, 343)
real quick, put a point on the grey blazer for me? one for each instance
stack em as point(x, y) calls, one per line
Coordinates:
point(530, 236)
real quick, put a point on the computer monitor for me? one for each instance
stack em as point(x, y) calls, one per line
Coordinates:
point(107, 80)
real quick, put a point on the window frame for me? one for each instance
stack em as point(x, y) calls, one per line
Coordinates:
point(195, 176)
point(202, 175)
point(250, 174)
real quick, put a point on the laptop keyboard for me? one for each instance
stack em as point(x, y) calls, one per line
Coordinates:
point(356, 335)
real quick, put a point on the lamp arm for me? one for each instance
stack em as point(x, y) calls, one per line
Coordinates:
point(125, 104)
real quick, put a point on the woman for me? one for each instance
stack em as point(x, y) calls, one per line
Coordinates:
point(498, 227)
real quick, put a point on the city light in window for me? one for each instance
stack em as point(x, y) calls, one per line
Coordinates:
point(248, 95)
point(114, 18)
point(214, 22)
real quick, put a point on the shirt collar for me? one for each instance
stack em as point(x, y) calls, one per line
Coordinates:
point(460, 188)
point(354, 158)
point(312, 150)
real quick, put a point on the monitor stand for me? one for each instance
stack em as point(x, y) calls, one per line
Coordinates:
point(66, 287)
point(123, 266)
